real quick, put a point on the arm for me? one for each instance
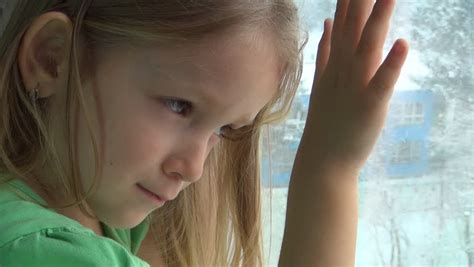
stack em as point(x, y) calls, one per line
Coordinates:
point(321, 220)
point(347, 111)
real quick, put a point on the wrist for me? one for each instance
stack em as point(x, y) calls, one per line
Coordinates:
point(318, 160)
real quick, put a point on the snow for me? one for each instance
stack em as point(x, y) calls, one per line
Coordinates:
point(424, 239)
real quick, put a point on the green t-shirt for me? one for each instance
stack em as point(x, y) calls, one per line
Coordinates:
point(31, 235)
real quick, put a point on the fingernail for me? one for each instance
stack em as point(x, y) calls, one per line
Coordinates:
point(398, 47)
point(326, 24)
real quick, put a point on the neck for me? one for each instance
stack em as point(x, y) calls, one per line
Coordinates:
point(73, 212)
point(76, 214)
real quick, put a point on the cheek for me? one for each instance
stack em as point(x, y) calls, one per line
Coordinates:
point(135, 143)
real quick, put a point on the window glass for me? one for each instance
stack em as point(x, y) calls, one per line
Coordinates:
point(416, 191)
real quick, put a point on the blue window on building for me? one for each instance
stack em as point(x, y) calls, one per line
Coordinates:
point(406, 152)
point(406, 136)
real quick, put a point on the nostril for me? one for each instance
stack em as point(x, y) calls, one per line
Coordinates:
point(187, 168)
point(176, 175)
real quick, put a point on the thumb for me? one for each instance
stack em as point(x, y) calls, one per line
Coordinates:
point(324, 49)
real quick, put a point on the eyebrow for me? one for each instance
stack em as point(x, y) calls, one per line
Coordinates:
point(247, 123)
point(208, 98)
point(202, 96)
point(243, 121)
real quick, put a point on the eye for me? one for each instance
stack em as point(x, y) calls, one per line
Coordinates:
point(184, 108)
point(232, 134)
point(180, 107)
point(223, 131)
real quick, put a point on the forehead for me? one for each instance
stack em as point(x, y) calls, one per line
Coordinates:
point(233, 73)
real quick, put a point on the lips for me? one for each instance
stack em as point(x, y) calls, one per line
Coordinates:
point(163, 198)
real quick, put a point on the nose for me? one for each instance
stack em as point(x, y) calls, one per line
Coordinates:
point(188, 159)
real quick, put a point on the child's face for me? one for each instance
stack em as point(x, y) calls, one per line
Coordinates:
point(161, 144)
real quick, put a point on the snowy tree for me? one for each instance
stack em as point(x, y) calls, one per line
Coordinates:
point(313, 12)
point(444, 33)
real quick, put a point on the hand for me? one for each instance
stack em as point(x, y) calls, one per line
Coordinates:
point(352, 88)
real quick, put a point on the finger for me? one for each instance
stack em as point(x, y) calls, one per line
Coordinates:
point(369, 51)
point(324, 49)
point(357, 15)
point(381, 85)
point(339, 20)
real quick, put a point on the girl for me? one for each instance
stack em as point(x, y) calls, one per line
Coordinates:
point(130, 130)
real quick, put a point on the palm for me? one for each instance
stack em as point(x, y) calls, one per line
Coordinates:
point(351, 89)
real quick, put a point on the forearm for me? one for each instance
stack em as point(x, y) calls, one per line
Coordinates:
point(347, 110)
point(321, 218)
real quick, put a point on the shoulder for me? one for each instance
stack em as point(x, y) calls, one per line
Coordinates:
point(66, 246)
point(33, 235)
point(21, 217)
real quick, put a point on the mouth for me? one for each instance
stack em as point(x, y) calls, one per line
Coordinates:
point(154, 197)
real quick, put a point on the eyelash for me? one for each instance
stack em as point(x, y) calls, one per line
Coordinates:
point(170, 105)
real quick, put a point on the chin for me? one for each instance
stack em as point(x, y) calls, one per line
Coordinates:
point(125, 222)
point(124, 225)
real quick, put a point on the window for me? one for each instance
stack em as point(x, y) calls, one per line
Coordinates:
point(406, 152)
point(408, 113)
point(416, 192)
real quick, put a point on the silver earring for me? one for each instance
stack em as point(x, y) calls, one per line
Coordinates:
point(34, 94)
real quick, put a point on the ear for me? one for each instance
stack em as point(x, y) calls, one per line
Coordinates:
point(43, 54)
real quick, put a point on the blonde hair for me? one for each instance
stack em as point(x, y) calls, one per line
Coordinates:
point(214, 222)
